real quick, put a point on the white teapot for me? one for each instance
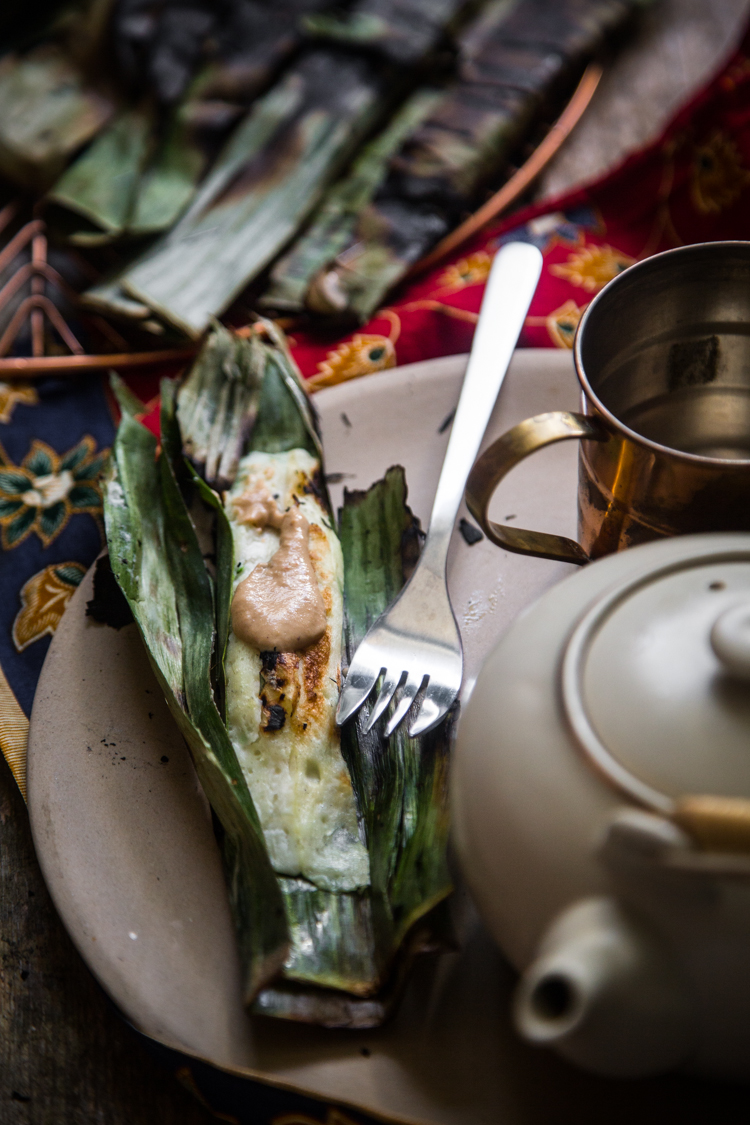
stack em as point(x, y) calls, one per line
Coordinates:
point(601, 803)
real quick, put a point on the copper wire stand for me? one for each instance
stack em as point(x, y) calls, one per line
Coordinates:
point(38, 308)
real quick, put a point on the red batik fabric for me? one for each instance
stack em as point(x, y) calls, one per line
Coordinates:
point(692, 185)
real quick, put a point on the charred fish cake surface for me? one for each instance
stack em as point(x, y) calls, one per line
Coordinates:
point(281, 704)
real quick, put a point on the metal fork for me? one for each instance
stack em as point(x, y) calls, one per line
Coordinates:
point(417, 637)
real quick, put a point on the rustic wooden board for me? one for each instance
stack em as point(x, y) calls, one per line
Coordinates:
point(66, 1056)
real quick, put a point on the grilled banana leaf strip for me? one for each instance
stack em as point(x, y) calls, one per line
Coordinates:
point(107, 297)
point(512, 63)
point(156, 559)
point(133, 182)
point(270, 176)
point(340, 221)
point(516, 61)
point(92, 201)
point(140, 174)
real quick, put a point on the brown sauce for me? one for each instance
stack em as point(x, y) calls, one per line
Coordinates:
point(279, 605)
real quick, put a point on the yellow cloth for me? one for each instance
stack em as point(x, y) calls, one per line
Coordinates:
point(14, 733)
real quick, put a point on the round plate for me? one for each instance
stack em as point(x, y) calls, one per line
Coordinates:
point(124, 836)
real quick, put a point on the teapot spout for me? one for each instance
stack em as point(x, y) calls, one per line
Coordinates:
point(606, 994)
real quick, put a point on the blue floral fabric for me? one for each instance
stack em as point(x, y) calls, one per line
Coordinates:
point(54, 437)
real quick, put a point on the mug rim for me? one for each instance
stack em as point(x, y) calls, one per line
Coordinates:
point(590, 393)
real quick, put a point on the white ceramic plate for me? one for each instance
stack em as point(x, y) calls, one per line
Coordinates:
point(124, 836)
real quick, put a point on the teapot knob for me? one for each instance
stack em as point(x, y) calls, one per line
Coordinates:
point(730, 640)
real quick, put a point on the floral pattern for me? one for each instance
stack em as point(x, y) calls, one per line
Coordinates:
point(592, 267)
point(359, 356)
point(43, 601)
point(42, 493)
point(466, 271)
point(563, 322)
point(13, 393)
point(717, 175)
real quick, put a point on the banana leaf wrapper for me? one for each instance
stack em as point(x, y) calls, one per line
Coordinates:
point(404, 31)
point(47, 113)
point(130, 183)
point(327, 1007)
point(516, 63)
point(338, 223)
point(158, 564)
point(261, 189)
point(218, 404)
point(349, 951)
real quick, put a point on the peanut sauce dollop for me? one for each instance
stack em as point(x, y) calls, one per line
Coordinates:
point(279, 605)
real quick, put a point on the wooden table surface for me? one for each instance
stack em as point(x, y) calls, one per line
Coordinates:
point(66, 1057)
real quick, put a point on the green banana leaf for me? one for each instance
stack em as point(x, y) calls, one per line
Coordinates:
point(331, 934)
point(401, 782)
point(128, 183)
point(337, 224)
point(92, 201)
point(262, 187)
point(47, 113)
point(156, 559)
point(107, 297)
point(345, 947)
point(347, 953)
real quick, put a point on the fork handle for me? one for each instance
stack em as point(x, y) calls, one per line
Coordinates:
point(511, 284)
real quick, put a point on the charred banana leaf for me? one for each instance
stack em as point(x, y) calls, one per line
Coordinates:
point(515, 61)
point(512, 64)
point(252, 42)
point(138, 176)
point(340, 221)
point(268, 179)
point(348, 948)
point(243, 42)
point(158, 564)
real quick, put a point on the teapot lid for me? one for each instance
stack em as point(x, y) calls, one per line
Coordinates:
point(655, 676)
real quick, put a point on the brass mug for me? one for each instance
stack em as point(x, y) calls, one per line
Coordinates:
point(663, 358)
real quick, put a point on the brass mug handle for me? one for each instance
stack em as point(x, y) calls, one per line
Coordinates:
point(496, 461)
